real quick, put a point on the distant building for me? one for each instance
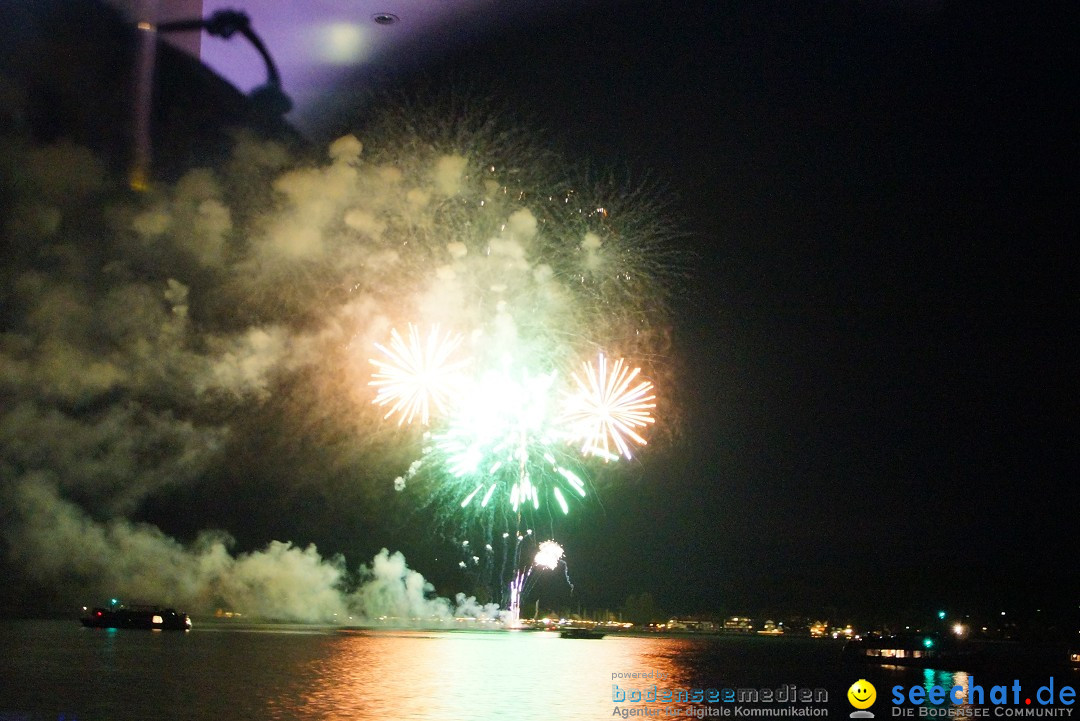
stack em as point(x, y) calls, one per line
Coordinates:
point(739, 624)
point(845, 632)
point(692, 625)
point(772, 628)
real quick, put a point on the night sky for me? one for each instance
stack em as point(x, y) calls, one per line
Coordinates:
point(877, 333)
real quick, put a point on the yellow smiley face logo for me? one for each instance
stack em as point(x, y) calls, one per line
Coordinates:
point(862, 694)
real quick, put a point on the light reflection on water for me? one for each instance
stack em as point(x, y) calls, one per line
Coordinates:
point(478, 676)
point(946, 680)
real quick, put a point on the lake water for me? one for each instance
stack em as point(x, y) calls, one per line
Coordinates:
point(57, 670)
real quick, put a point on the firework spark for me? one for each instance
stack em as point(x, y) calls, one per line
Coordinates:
point(516, 437)
point(417, 374)
point(609, 407)
point(548, 555)
point(502, 442)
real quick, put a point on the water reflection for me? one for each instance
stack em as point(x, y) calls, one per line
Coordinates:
point(479, 676)
point(946, 680)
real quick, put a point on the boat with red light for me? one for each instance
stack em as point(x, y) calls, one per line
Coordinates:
point(152, 618)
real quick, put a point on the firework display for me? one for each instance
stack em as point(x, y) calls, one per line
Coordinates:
point(517, 306)
point(416, 375)
point(507, 436)
point(522, 311)
point(514, 327)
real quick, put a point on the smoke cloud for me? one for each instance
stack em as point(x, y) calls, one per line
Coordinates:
point(280, 582)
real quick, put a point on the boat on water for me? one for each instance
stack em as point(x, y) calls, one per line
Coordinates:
point(580, 633)
point(153, 618)
point(942, 652)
